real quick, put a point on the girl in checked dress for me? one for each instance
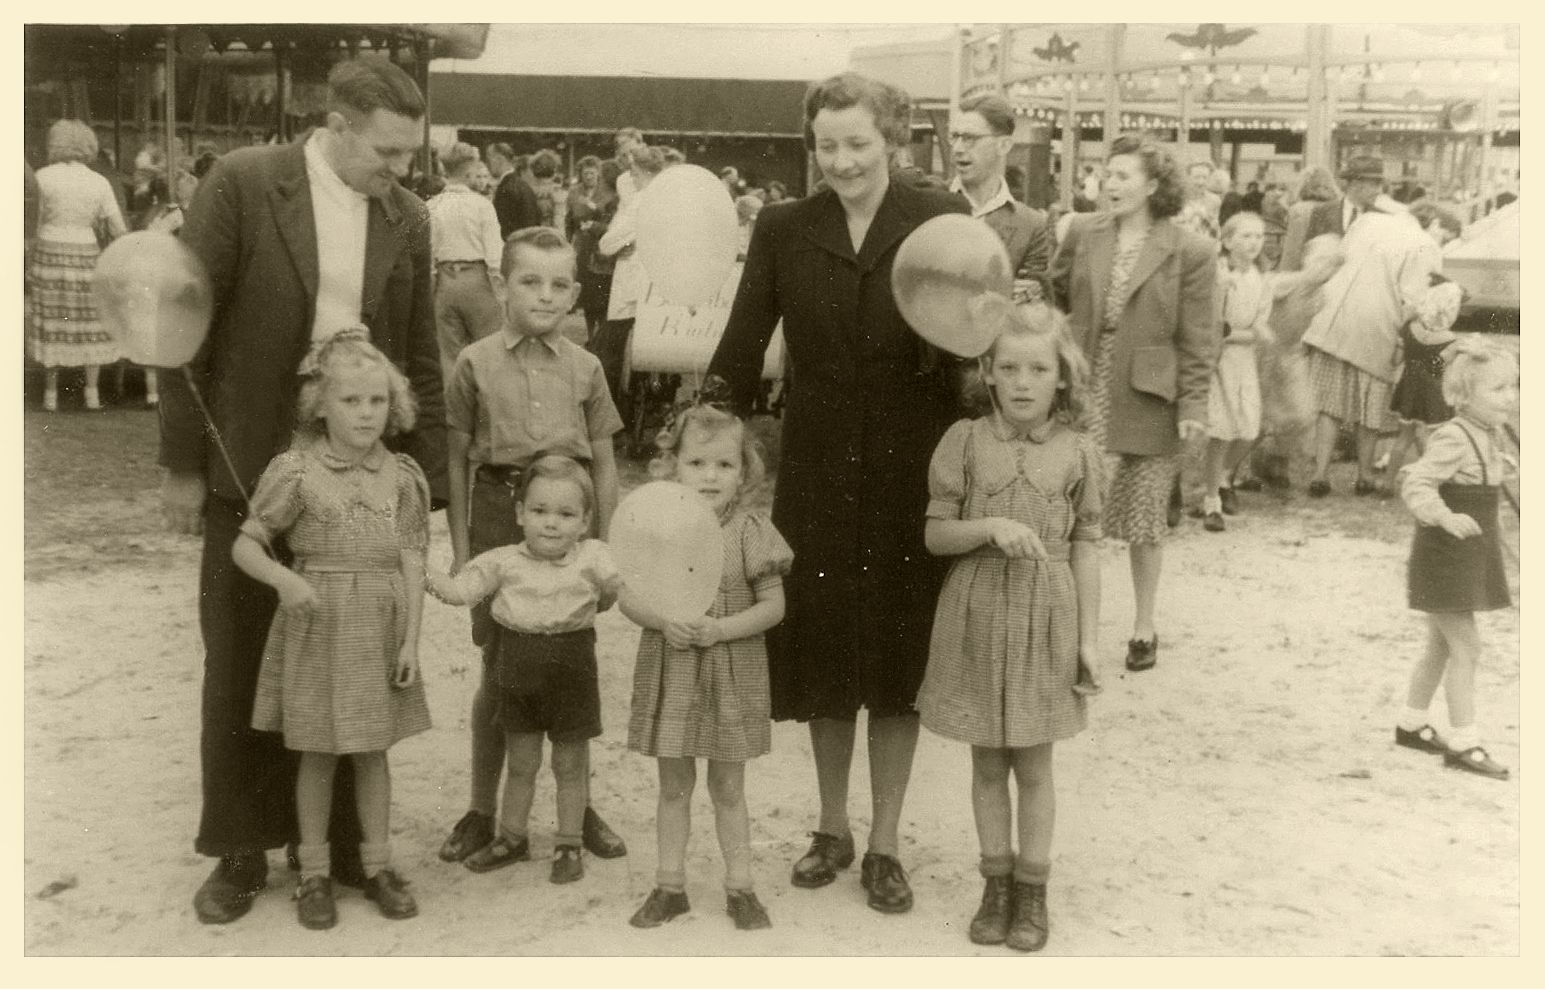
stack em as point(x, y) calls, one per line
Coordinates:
point(1015, 497)
point(340, 674)
point(700, 688)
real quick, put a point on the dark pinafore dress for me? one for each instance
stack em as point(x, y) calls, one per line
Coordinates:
point(1449, 574)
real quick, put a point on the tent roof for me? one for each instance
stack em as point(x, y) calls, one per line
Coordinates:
point(56, 41)
point(568, 103)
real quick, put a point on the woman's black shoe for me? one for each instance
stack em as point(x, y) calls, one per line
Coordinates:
point(1229, 500)
point(818, 867)
point(1141, 655)
point(886, 881)
point(991, 923)
point(227, 894)
point(1423, 739)
point(1319, 489)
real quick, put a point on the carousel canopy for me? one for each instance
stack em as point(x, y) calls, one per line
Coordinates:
point(56, 42)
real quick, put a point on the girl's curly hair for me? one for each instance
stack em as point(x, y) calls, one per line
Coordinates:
point(1071, 405)
point(1470, 357)
point(713, 421)
point(347, 349)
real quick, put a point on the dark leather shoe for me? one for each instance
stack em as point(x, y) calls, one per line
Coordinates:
point(819, 866)
point(475, 830)
point(1230, 501)
point(1475, 760)
point(991, 923)
point(1363, 488)
point(660, 907)
point(1142, 655)
point(746, 910)
point(497, 854)
point(568, 866)
point(314, 906)
point(1030, 928)
point(391, 896)
point(346, 868)
point(886, 881)
point(1213, 522)
point(1319, 489)
point(1423, 739)
point(599, 839)
point(228, 892)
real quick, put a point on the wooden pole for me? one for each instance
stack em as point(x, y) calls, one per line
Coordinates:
point(421, 70)
point(1069, 146)
point(281, 121)
point(1488, 127)
point(118, 87)
point(1183, 132)
point(1318, 119)
point(169, 111)
point(1115, 38)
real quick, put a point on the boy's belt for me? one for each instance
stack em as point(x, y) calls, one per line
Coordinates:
point(460, 265)
point(509, 474)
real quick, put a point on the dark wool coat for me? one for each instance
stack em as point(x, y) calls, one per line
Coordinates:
point(867, 403)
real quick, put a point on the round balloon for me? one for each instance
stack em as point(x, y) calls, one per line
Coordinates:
point(942, 272)
point(688, 234)
point(665, 539)
point(153, 297)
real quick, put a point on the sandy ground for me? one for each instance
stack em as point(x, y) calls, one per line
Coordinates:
point(1244, 798)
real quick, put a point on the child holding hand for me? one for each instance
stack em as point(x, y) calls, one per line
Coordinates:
point(340, 672)
point(541, 673)
point(1015, 497)
point(700, 687)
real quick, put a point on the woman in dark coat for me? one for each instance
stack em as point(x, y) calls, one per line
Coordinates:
point(1138, 290)
point(869, 403)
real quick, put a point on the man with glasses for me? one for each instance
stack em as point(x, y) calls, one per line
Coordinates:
point(980, 140)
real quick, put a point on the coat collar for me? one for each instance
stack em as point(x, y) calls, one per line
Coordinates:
point(290, 197)
point(1162, 240)
point(828, 226)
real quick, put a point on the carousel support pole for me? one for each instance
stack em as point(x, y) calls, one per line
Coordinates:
point(281, 120)
point(1317, 136)
point(1115, 36)
point(1005, 45)
point(1485, 185)
point(956, 71)
point(421, 72)
point(118, 88)
point(1069, 145)
point(1183, 130)
point(169, 111)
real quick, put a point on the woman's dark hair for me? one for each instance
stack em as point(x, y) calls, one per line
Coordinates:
point(609, 174)
point(889, 105)
point(1157, 164)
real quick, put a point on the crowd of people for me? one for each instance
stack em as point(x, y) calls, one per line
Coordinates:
point(931, 554)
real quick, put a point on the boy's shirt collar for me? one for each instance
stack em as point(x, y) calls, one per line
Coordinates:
point(513, 338)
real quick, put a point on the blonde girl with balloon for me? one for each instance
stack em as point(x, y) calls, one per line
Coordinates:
point(1015, 501)
point(340, 672)
point(700, 685)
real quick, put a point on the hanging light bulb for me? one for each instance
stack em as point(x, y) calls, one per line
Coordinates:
point(1265, 76)
point(1083, 83)
point(1378, 72)
point(1235, 77)
point(1416, 72)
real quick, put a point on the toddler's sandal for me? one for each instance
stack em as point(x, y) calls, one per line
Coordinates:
point(497, 854)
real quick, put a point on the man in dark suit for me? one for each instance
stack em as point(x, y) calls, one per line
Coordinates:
point(981, 137)
point(299, 241)
point(516, 201)
point(1361, 181)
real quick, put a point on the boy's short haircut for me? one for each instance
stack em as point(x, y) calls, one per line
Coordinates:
point(536, 238)
point(555, 467)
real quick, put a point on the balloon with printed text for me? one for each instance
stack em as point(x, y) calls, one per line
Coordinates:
point(688, 234)
point(665, 539)
point(952, 283)
point(153, 297)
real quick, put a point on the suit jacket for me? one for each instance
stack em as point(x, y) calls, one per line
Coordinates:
point(1167, 335)
point(516, 203)
point(1025, 236)
point(867, 403)
point(251, 223)
point(1326, 219)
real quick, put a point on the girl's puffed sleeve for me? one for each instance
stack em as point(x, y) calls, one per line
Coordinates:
point(767, 555)
point(604, 575)
point(412, 505)
point(1085, 492)
point(947, 473)
point(277, 500)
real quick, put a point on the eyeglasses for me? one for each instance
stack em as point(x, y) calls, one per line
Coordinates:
point(961, 137)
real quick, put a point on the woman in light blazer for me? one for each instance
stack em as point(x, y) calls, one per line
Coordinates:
point(1138, 290)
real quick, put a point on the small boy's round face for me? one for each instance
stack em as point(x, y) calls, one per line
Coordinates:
point(553, 516)
point(1493, 393)
point(540, 289)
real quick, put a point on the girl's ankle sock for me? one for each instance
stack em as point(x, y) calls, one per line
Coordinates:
point(510, 835)
point(1461, 739)
point(1035, 873)
point(1412, 718)
point(315, 860)
point(374, 858)
point(996, 865)
point(671, 882)
point(1211, 504)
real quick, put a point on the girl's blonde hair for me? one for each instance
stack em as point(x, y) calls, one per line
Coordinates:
point(71, 140)
point(1231, 226)
point(1037, 319)
point(1471, 357)
point(349, 348)
point(713, 421)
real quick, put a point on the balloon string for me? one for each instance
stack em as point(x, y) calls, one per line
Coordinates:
point(225, 454)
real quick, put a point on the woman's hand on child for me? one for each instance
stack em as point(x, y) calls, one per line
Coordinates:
point(1460, 526)
point(296, 596)
point(406, 673)
point(1017, 540)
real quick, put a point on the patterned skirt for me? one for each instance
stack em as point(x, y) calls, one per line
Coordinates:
point(62, 325)
point(1349, 394)
point(1138, 486)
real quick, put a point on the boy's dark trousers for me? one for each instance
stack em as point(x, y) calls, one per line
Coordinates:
point(248, 775)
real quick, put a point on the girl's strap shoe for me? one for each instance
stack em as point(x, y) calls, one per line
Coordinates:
point(497, 854)
point(1477, 761)
point(390, 893)
point(1142, 654)
point(1423, 739)
point(314, 906)
point(746, 910)
point(661, 906)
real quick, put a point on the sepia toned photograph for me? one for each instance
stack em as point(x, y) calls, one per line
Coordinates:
point(787, 490)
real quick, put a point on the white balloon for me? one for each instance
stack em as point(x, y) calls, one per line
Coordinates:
point(153, 297)
point(665, 539)
point(688, 234)
point(948, 277)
